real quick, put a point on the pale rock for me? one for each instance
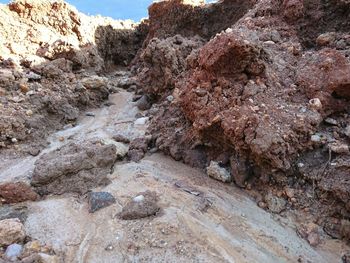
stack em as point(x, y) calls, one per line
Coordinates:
point(44, 258)
point(13, 252)
point(33, 76)
point(338, 147)
point(11, 231)
point(121, 148)
point(94, 82)
point(214, 170)
point(141, 121)
point(274, 203)
point(139, 198)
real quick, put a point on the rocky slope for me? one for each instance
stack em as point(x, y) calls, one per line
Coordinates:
point(53, 62)
point(254, 93)
point(267, 97)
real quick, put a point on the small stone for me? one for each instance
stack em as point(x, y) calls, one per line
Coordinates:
point(214, 170)
point(61, 139)
point(289, 192)
point(338, 147)
point(32, 247)
point(17, 192)
point(262, 204)
point(121, 138)
point(315, 103)
point(90, 114)
point(121, 148)
point(313, 239)
point(325, 39)
point(274, 203)
point(141, 208)
point(141, 121)
point(14, 140)
point(29, 112)
point(144, 103)
point(139, 198)
point(316, 138)
point(293, 200)
point(13, 252)
point(11, 231)
point(170, 98)
point(269, 42)
point(24, 88)
point(109, 248)
point(347, 131)
point(33, 76)
point(94, 82)
point(331, 121)
point(44, 258)
point(99, 200)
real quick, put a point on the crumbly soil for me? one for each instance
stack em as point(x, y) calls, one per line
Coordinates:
point(260, 88)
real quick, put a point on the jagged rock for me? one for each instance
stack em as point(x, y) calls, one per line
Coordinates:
point(11, 231)
point(99, 200)
point(219, 173)
point(74, 168)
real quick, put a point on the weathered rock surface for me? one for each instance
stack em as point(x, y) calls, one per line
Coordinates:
point(99, 200)
point(11, 231)
point(141, 206)
point(74, 168)
point(217, 172)
point(52, 60)
point(261, 90)
point(16, 193)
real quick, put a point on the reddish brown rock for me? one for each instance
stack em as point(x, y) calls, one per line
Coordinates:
point(326, 75)
point(16, 193)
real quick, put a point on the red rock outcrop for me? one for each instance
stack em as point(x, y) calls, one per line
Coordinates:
point(257, 97)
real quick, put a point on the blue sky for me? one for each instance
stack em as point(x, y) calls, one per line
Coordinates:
point(118, 9)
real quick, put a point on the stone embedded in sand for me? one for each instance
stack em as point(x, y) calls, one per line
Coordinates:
point(144, 103)
point(99, 200)
point(214, 170)
point(121, 148)
point(11, 231)
point(16, 193)
point(74, 168)
point(140, 207)
point(13, 252)
point(274, 203)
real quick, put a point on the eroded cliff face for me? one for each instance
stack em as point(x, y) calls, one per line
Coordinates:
point(264, 91)
point(53, 63)
point(257, 90)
